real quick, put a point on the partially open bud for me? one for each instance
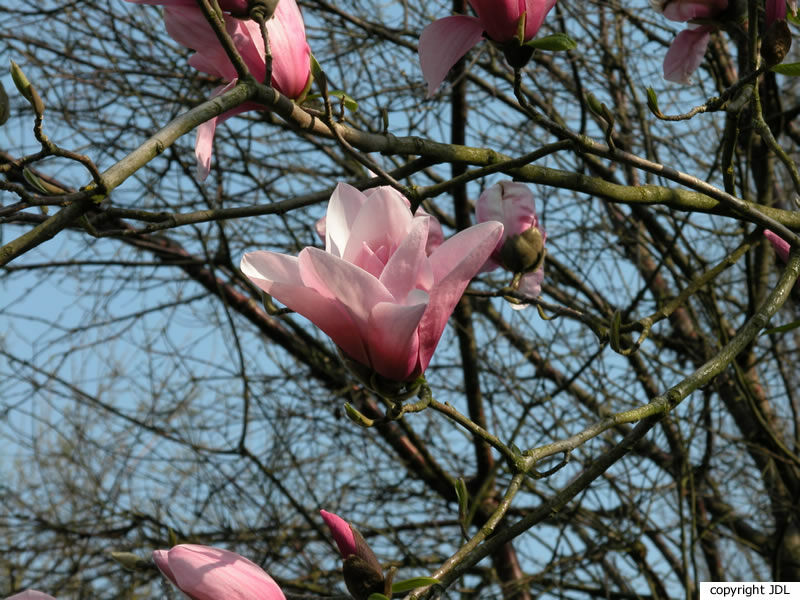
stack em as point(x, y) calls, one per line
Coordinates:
point(521, 249)
point(362, 571)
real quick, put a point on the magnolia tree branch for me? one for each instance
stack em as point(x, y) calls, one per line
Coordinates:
point(649, 415)
point(82, 201)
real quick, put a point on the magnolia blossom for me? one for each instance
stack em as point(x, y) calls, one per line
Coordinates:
point(362, 571)
point(446, 40)
point(374, 289)
point(687, 49)
point(291, 56)
point(31, 595)
point(206, 573)
point(521, 249)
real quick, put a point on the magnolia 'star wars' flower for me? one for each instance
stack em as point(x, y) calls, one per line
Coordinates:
point(375, 290)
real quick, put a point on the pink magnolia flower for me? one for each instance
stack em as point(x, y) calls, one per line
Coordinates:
point(446, 40)
point(521, 249)
point(291, 62)
point(206, 573)
point(687, 49)
point(31, 595)
point(374, 290)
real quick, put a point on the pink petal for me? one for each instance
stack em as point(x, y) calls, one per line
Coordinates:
point(454, 263)
point(187, 26)
point(205, 573)
point(343, 208)
point(291, 56)
point(393, 341)
point(383, 221)
point(204, 147)
point(530, 285)
point(204, 142)
point(435, 233)
point(341, 532)
point(686, 53)
point(499, 17)
point(780, 245)
point(442, 43)
point(247, 38)
point(161, 558)
point(536, 11)
point(280, 276)
point(509, 202)
point(408, 268)
point(354, 290)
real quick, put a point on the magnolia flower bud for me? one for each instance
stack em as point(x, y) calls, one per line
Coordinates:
point(362, 571)
point(521, 249)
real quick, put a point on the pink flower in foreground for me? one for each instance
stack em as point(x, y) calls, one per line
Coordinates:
point(206, 573)
point(291, 57)
point(362, 571)
point(446, 40)
point(521, 249)
point(374, 290)
point(687, 49)
point(31, 595)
